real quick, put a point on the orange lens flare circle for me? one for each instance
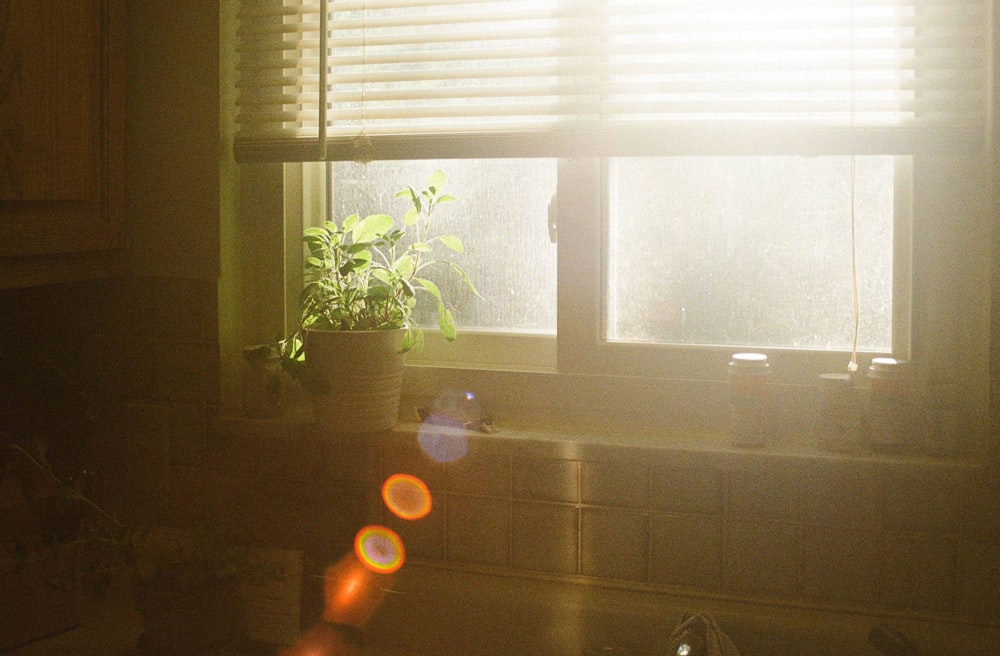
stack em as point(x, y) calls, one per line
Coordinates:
point(406, 496)
point(379, 549)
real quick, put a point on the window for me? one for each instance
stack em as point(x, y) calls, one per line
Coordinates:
point(501, 218)
point(708, 163)
point(733, 252)
point(749, 251)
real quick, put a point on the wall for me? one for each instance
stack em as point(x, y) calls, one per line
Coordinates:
point(144, 350)
point(173, 139)
point(138, 355)
point(878, 535)
point(118, 377)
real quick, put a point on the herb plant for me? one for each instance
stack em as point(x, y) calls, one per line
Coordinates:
point(370, 273)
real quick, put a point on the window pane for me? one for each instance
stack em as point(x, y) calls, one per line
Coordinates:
point(501, 216)
point(750, 251)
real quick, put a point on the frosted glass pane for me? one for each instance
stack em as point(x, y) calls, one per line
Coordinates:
point(501, 216)
point(749, 251)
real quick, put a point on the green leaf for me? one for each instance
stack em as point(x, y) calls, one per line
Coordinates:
point(412, 339)
point(408, 290)
point(421, 247)
point(452, 242)
point(350, 222)
point(411, 217)
point(414, 198)
point(408, 342)
point(437, 179)
point(430, 287)
point(404, 266)
point(447, 322)
point(447, 198)
point(379, 292)
point(466, 278)
point(372, 227)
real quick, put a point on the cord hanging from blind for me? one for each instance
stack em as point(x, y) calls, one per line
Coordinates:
point(480, 78)
point(852, 366)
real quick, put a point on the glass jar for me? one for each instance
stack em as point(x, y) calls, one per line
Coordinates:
point(839, 401)
point(749, 375)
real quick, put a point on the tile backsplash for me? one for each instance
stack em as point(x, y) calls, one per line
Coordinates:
point(873, 534)
point(881, 534)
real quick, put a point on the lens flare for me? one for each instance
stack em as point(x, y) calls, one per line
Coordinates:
point(406, 496)
point(353, 592)
point(380, 549)
point(442, 443)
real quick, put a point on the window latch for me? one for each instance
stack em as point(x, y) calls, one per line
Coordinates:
point(553, 219)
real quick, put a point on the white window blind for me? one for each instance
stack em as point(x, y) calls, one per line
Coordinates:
point(385, 79)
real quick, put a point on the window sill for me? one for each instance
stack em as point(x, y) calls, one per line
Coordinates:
point(565, 440)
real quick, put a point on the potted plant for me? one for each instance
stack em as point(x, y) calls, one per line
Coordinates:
point(185, 563)
point(364, 279)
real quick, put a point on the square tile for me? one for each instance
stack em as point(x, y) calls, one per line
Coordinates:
point(480, 472)
point(352, 459)
point(769, 490)
point(686, 550)
point(544, 537)
point(290, 457)
point(546, 479)
point(413, 461)
point(424, 537)
point(478, 530)
point(981, 508)
point(318, 519)
point(919, 571)
point(686, 489)
point(841, 494)
point(613, 543)
point(840, 564)
point(762, 556)
point(614, 484)
point(979, 591)
point(233, 452)
point(922, 499)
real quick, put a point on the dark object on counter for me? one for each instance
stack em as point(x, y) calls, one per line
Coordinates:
point(203, 620)
point(890, 642)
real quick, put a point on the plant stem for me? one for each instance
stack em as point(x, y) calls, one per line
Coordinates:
point(73, 492)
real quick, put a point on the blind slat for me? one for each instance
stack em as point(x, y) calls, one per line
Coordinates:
point(561, 71)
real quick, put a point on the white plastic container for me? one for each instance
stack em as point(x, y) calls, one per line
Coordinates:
point(889, 416)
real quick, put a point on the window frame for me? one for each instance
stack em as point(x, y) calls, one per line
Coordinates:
point(954, 201)
point(583, 303)
point(936, 324)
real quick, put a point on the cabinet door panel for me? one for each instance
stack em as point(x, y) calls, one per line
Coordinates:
point(49, 127)
point(61, 133)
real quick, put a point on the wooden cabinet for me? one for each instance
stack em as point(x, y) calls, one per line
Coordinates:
point(62, 113)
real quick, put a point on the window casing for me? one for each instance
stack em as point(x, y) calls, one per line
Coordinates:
point(940, 316)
